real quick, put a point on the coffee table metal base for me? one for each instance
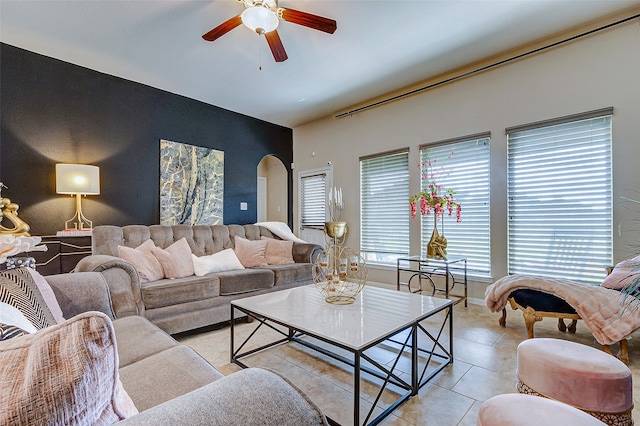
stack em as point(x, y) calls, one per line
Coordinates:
point(405, 341)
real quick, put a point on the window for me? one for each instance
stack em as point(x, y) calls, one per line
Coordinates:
point(384, 207)
point(559, 197)
point(313, 200)
point(466, 172)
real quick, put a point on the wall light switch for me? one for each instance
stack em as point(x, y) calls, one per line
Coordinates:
point(243, 206)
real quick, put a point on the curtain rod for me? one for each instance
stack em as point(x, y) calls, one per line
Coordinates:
point(484, 68)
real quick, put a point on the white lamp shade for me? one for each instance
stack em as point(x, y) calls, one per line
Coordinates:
point(260, 17)
point(77, 179)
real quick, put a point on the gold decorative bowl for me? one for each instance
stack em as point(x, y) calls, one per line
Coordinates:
point(335, 229)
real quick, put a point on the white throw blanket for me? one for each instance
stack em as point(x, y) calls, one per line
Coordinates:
point(609, 317)
point(281, 229)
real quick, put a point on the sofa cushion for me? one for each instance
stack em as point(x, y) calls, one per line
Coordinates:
point(18, 289)
point(225, 260)
point(250, 253)
point(245, 281)
point(80, 292)
point(167, 292)
point(175, 259)
point(64, 374)
point(138, 338)
point(248, 397)
point(285, 274)
point(166, 375)
point(278, 252)
point(142, 258)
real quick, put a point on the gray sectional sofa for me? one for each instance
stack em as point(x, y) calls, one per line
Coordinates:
point(177, 305)
point(169, 383)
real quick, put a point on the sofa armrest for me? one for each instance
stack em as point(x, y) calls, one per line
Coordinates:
point(305, 252)
point(122, 279)
point(248, 397)
point(81, 292)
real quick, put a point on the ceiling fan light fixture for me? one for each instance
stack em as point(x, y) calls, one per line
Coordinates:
point(260, 19)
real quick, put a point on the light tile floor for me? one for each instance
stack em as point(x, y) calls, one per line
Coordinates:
point(484, 366)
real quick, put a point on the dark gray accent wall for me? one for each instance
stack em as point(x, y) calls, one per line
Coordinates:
point(55, 112)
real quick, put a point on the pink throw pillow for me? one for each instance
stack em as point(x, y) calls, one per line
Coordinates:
point(250, 252)
point(278, 252)
point(624, 274)
point(175, 259)
point(64, 374)
point(141, 257)
point(47, 294)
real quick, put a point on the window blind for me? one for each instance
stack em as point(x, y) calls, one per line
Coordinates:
point(560, 199)
point(384, 207)
point(467, 173)
point(313, 200)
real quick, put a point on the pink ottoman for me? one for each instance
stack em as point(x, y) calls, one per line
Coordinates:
point(578, 375)
point(514, 409)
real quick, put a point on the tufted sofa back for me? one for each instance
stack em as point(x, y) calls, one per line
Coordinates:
point(202, 239)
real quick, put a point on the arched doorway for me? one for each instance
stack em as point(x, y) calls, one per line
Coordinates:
point(273, 190)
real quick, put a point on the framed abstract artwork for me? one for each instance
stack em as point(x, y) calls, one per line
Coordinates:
point(191, 184)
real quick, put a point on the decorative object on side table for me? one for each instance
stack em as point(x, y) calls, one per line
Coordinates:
point(11, 245)
point(21, 262)
point(78, 180)
point(339, 272)
point(434, 199)
point(10, 212)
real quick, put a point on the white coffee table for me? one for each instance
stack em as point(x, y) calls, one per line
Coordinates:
point(378, 316)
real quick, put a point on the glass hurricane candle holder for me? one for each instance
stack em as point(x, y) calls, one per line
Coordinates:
point(339, 274)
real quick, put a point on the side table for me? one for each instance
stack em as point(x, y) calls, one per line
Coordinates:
point(426, 268)
point(62, 255)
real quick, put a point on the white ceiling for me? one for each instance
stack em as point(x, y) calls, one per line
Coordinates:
point(379, 46)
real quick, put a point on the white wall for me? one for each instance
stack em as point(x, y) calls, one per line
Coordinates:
point(599, 71)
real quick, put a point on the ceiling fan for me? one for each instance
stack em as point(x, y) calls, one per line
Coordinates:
point(263, 17)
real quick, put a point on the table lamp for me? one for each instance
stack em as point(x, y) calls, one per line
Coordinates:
point(77, 179)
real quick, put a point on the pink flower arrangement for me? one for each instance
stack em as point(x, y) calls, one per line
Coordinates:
point(434, 198)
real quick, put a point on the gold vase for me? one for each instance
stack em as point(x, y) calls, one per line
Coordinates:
point(437, 246)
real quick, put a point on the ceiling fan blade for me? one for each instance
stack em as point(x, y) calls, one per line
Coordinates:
point(223, 28)
point(308, 20)
point(275, 44)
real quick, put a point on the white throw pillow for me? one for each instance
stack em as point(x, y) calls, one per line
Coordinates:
point(225, 260)
point(12, 316)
